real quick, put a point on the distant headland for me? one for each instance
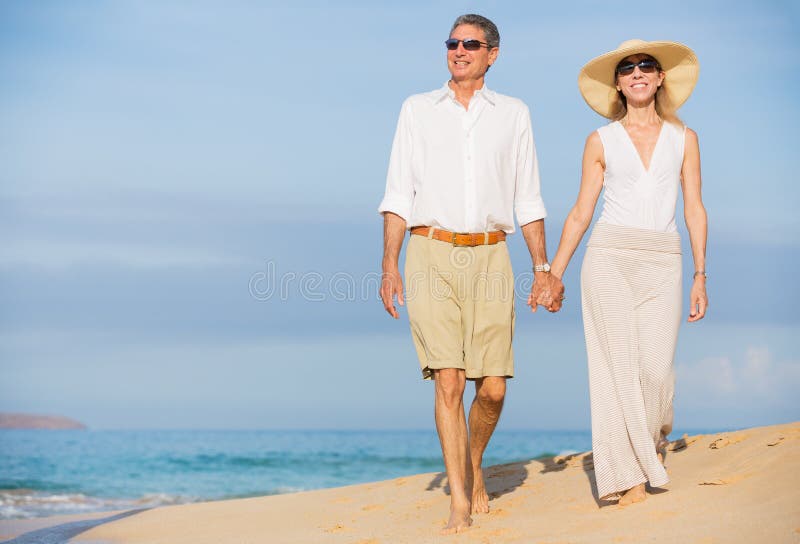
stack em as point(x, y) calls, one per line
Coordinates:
point(37, 421)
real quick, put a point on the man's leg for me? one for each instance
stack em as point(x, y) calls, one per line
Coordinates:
point(452, 428)
point(483, 415)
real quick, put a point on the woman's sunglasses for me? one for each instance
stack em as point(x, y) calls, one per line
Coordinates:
point(469, 45)
point(647, 66)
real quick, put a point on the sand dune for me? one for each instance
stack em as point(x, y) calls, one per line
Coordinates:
point(740, 486)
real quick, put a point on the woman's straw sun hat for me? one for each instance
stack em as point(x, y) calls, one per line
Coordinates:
point(597, 78)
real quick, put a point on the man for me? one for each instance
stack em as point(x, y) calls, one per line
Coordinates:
point(463, 162)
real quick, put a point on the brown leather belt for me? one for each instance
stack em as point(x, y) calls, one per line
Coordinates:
point(462, 238)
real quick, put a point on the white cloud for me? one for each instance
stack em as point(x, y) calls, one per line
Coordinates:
point(754, 376)
point(714, 374)
point(757, 371)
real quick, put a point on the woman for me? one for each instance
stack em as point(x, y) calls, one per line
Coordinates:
point(631, 275)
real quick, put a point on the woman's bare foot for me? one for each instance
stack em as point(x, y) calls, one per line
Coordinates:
point(661, 448)
point(459, 520)
point(480, 499)
point(634, 494)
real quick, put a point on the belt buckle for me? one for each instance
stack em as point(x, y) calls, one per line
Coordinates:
point(456, 244)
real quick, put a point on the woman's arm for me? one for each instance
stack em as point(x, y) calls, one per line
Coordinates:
point(697, 222)
point(580, 216)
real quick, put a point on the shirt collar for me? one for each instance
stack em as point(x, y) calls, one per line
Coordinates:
point(445, 91)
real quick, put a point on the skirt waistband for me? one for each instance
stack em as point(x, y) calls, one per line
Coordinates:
point(621, 237)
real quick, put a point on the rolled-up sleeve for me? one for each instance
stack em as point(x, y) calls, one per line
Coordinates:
point(528, 203)
point(399, 195)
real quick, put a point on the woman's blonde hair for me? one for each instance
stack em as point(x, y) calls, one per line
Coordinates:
point(665, 109)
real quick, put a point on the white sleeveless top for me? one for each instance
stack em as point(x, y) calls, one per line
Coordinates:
point(635, 197)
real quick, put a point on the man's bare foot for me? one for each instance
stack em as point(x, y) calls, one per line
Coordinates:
point(480, 499)
point(459, 520)
point(634, 494)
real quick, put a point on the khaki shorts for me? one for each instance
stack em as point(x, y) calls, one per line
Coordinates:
point(460, 304)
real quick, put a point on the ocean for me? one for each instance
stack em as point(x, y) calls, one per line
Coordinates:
point(46, 473)
point(71, 471)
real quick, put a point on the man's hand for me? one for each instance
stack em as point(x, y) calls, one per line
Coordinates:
point(540, 291)
point(547, 291)
point(394, 229)
point(391, 286)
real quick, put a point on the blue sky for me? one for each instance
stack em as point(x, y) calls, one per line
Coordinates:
point(161, 159)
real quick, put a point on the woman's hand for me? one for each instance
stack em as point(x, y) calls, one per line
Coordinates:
point(698, 300)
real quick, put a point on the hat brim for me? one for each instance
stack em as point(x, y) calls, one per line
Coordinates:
point(597, 80)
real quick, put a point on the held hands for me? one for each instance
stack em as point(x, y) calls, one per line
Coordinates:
point(547, 291)
point(557, 291)
point(698, 300)
point(391, 286)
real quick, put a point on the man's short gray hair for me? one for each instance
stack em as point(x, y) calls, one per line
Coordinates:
point(488, 27)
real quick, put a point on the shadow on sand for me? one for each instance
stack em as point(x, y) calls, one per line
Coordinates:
point(60, 534)
point(503, 479)
point(500, 479)
point(586, 461)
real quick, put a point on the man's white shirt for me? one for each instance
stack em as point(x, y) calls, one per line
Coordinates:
point(464, 170)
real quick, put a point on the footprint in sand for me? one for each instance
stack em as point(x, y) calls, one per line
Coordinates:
point(719, 443)
point(723, 441)
point(683, 443)
point(370, 507)
point(585, 461)
point(732, 479)
point(336, 528)
point(498, 513)
point(775, 442)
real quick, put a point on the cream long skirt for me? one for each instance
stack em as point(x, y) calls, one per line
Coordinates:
point(631, 291)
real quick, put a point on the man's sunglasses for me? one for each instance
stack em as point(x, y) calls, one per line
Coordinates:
point(647, 66)
point(469, 45)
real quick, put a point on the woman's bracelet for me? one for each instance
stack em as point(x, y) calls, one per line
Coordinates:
point(700, 273)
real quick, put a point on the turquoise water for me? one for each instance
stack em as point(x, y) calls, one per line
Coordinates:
point(45, 473)
point(56, 472)
point(71, 471)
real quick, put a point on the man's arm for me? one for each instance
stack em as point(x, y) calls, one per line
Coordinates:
point(528, 204)
point(541, 290)
point(530, 209)
point(399, 195)
point(396, 208)
point(394, 230)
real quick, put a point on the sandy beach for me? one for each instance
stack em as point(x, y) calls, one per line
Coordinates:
point(741, 486)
